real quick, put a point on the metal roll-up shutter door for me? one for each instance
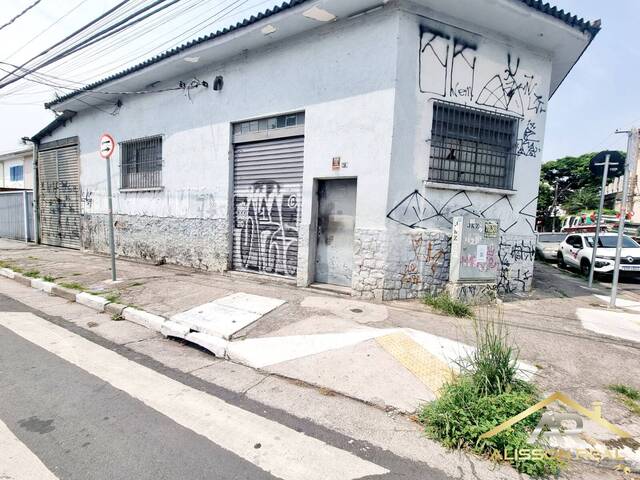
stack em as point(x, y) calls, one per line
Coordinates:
point(59, 182)
point(267, 178)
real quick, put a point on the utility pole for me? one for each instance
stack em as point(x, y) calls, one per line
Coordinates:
point(630, 165)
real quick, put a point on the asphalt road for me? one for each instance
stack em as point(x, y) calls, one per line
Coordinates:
point(77, 407)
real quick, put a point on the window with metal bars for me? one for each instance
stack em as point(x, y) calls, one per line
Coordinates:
point(470, 146)
point(141, 163)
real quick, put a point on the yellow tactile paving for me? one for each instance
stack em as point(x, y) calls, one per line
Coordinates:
point(429, 369)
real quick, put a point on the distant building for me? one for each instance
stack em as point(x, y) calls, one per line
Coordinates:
point(16, 169)
point(613, 191)
point(320, 142)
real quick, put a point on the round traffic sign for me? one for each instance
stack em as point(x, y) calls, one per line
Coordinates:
point(616, 164)
point(107, 145)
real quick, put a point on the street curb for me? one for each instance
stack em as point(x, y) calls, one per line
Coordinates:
point(144, 319)
point(18, 277)
point(92, 301)
point(114, 308)
point(217, 346)
point(7, 272)
point(63, 292)
point(42, 285)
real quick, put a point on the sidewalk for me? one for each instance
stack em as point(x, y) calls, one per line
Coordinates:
point(393, 355)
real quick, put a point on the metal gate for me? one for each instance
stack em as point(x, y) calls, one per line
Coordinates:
point(267, 178)
point(16, 215)
point(59, 196)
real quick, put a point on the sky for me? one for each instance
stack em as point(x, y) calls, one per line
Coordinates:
point(600, 95)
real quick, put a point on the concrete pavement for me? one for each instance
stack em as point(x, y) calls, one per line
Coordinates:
point(385, 438)
point(545, 325)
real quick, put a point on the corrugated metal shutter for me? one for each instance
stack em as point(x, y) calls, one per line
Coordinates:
point(59, 180)
point(267, 180)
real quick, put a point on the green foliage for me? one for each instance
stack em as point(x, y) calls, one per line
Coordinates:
point(447, 305)
point(493, 364)
point(485, 394)
point(629, 396)
point(462, 414)
point(32, 274)
point(49, 278)
point(73, 286)
point(586, 198)
point(629, 392)
point(570, 174)
point(113, 297)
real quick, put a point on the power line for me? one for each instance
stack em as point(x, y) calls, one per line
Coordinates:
point(47, 29)
point(104, 92)
point(90, 41)
point(68, 37)
point(20, 14)
point(109, 31)
point(216, 16)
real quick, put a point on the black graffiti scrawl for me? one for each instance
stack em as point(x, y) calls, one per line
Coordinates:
point(266, 228)
point(416, 211)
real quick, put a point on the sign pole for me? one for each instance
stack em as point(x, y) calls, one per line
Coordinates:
point(112, 248)
point(597, 234)
point(623, 214)
point(107, 147)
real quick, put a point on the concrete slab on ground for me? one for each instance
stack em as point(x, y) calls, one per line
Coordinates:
point(231, 376)
point(261, 352)
point(615, 324)
point(227, 315)
point(366, 372)
point(361, 312)
point(174, 354)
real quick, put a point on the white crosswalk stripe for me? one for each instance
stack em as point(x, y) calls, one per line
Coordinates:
point(17, 462)
point(283, 452)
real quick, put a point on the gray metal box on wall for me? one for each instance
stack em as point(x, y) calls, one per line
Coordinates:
point(474, 250)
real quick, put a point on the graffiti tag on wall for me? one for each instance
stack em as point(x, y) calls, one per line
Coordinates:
point(417, 211)
point(266, 228)
point(424, 255)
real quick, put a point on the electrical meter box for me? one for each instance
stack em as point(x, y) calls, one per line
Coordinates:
point(474, 250)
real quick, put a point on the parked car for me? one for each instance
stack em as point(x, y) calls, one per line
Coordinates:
point(576, 250)
point(548, 244)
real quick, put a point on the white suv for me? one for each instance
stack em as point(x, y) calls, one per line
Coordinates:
point(576, 250)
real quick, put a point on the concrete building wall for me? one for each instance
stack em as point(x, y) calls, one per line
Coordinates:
point(419, 212)
point(367, 88)
point(342, 75)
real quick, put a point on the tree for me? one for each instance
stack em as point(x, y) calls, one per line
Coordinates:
point(585, 198)
point(576, 186)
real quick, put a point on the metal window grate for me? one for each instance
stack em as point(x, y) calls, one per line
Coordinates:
point(141, 163)
point(470, 146)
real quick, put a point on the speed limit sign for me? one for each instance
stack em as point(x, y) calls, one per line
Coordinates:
point(107, 145)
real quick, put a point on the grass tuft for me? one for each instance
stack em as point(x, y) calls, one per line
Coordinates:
point(49, 278)
point(629, 392)
point(32, 274)
point(113, 297)
point(493, 364)
point(443, 303)
point(73, 286)
point(629, 396)
point(486, 393)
